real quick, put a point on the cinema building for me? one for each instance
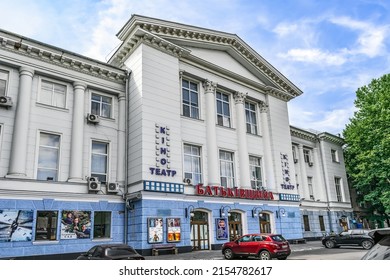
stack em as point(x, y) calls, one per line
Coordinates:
point(181, 138)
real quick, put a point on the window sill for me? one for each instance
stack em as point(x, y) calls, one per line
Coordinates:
point(43, 105)
point(45, 242)
point(101, 239)
point(193, 119)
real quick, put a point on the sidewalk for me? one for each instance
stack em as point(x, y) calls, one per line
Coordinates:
point(217, 254)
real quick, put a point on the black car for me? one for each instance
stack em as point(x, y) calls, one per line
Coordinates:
point(353, 237)
point(381, 249)
point(111, 252)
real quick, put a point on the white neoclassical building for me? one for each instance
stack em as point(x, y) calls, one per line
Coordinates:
point(183, 130)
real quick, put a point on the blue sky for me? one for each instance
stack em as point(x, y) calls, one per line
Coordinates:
point(328, 48)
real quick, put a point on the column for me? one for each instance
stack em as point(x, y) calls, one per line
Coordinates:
point(211, 135)
point(76, 151)
point(320, 191)
point(268, 161)
point(18, 158)
point(121, 149)
point(304, 193)
point(243, 156)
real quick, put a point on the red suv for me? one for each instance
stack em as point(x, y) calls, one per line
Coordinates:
point(263, 246)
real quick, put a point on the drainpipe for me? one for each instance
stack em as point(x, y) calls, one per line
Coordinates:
point(127, 91)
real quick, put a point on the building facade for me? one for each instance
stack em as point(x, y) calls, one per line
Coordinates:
point(182, 137)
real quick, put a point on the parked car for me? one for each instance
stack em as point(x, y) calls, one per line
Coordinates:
point(263, 246)
point(111, 252)
point(381, 249)
point(352, 237)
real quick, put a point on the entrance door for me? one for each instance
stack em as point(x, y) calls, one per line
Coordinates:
point(200, 231)
point(235, 226)
point(265, 224)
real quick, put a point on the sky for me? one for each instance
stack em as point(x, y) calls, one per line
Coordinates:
point(327, 48)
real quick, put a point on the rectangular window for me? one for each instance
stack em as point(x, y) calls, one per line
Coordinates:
point(190, 97)
point(48, 158)
point(223, 109)
point(3, 82)
point(337, 183)
point(52, 94)
point(306, 155)
point(251, 120)
point(306, 222)
point(294, 152)
point(101, 105)
point(102, 225)
point(322, 224)
point(334, 154)
point(46, 227)
point(226, 169)
point(99, 160)
point(192, 166)
point(310, 186)
point(255, 169)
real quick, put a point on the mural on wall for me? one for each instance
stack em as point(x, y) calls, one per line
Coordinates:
point(173, 230)
point(16, 225)
point(75, 224)
point(155, 230)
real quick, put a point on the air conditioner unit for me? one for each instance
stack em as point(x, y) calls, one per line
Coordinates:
point(93, 184)
point(187, 181)
point(310, 163)
point(5, 101)
point(92, 118)
point(112, 187)
point(295, 160)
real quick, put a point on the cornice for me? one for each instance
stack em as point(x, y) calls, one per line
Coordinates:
point(48, 54)
point(303, 134)
point(179, 32)
point(331, 138)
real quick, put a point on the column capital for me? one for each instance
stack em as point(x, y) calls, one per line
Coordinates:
point(209, 86)
point(23, 70)
point(79, 85)
point(239, 97)
point(263, 107)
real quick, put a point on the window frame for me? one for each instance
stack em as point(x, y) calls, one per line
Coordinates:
point(334, 155)
point(5, 79)
point(98, 174)
point(102, 224)
point(190, 105)
point(307, 155)
point(310, 186)
point(193, 172)
point(255, 166)
point(223, 115)
point(53, 82)
point(338, 186)
point(306, 222)
point(50, 147)
point(56, 227)
point(230, 180)
point(321, 222)
point(252, 124)
point(100, 102)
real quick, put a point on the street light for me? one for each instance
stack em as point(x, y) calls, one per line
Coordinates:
point(222, 211)
point(189, 210)
point(256, 211)
point(280, 213)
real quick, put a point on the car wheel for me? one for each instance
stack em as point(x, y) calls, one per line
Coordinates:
point(228, 253)
point(329, 244)
point(367, 244)
point(264, 255)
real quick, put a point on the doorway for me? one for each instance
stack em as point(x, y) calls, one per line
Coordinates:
point(235, 225)
point(200, 231)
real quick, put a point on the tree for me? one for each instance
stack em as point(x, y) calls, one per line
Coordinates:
point(367, 137)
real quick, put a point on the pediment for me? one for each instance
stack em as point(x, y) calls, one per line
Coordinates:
point(213, 48)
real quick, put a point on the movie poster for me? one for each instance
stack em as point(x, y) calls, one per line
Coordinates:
point(173, 230)
point(155, 230)
point(222, 228)
point(75, 224)
point(16, 225)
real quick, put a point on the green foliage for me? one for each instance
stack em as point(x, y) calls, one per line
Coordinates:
point(367, 137)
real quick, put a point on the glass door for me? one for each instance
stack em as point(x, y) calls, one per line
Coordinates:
point(200, 231)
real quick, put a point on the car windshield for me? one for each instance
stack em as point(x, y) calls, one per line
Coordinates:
point(278, 238)
point(113, 252)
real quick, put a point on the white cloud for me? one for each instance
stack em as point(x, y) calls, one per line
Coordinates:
point(314, 56)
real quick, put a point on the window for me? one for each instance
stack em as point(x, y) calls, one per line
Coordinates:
point(335, 157)
point(101, 105)
point(265, 223)
point(306, 222)
point(294, 152)
point(223, 109)
point(227, 168)
point(190, 97)
point(99, 160)
point(337, 183)
point(310, 186)
point(52, 94)
point(3, 82)
point(192, 166)
point(306, 155)
point(48, 158)
point(46, 227)
point(255, 169)
point(251, 121)
point(322, 224)
point(102, 225)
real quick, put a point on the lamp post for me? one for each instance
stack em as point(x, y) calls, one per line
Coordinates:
point(256, 211)
point(222, 211)
point(189, 211)
point(279, 214)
